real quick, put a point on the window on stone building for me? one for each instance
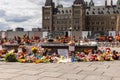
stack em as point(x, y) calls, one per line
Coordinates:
point(88, 13)
point(58, 17)
point(65, 22)
point(47, 12)
point(88, 23)
point(58, 22)
point(114, 12)
point(69, 17)
point(48, 17)
point(77, 21)
point(69, 21)
point(62, 11)
point(93, 23)
point(93, 12)
point(102, 22)
point(117, 11)
point(97, 22)
point(70, 11)
point(62, 17)
point(102, 12)
point(45, 17)
point(44, 27)
point(66, 11)
point(102, 28)
point(77, 12)
point(57, 28)
point(98, 12)
point(108, 12)
point(112, 23)
point(97, 29)
point(58, 12)
point(87, 28)
point(66, 17)
point(65, 28)
point(112, 29)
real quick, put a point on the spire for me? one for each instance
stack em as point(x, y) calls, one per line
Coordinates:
point(111, 2)
point(49, 3)
point(79, 2)
point(59, 5)
point(118, 2)
point(105, 3)
point(86, 4)
point(91, 3)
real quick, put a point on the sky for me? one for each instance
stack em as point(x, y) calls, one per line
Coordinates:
point(28, 13)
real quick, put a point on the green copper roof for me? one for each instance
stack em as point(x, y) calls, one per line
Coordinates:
point(118, 2)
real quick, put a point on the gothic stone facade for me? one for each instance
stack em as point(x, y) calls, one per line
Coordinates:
point(81, 16)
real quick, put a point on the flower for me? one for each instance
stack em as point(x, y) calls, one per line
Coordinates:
point(34, 49)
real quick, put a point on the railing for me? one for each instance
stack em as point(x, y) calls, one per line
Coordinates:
point(108, 44)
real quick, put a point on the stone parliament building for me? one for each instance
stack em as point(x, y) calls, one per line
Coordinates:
point(81, 16)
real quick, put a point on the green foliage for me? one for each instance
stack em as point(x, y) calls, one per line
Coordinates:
point(10, 58)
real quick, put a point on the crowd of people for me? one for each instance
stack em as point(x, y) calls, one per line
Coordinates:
point(35, 53)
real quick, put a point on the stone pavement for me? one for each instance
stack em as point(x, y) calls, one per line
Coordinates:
point(61, 71)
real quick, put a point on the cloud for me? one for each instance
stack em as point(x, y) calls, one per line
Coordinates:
point(2, 13)
point(4, 26)
point(18, 18)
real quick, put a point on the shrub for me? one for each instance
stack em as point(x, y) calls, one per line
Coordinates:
point(10, 58)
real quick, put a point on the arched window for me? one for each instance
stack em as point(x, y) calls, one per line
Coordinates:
point(108, 12)
point(66, 11)
point(62, 11)
point(93, 12)
point(88, 13)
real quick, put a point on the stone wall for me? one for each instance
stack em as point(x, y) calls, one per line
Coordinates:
point(11, 34)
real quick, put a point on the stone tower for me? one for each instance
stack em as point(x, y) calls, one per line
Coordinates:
point(105, 3)
point(47, 15)
point(78, 15)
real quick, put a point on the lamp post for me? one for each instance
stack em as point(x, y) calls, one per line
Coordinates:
point(70, 29)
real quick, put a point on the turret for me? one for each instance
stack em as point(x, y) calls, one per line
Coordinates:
point(105, 3)
point(91, 3)
point(48, 3)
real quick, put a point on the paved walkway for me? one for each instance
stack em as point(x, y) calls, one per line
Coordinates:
point(61, 71)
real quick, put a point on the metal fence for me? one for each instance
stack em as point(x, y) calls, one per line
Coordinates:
point(109, 44)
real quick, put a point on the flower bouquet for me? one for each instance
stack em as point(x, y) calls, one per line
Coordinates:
point(34, 50)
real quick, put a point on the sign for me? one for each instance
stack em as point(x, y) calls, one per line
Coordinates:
point(63, 52)
point(71, 48)
point(45, 34)
point(3, 34)
point(0, 47)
